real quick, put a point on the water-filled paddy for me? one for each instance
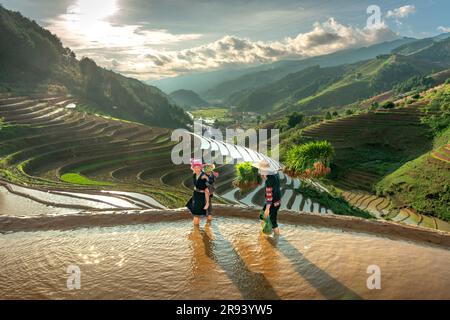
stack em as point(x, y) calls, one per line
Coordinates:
point(11, 204)
point(227, 260)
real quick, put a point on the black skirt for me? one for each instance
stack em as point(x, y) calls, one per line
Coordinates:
point(197, 203)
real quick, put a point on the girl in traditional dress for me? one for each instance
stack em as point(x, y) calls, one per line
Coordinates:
point(199, 203)
point(209, 171)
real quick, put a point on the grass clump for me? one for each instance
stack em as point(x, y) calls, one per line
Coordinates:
point(246, 176)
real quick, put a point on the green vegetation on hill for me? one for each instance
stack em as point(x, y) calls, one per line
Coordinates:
point(438, 110)
point(293, 87)
point(258, 77)
point(368, 145)
point(416, 83)
point(187, 99)
point(366, 80)
point(317, 88)
point(33, 61)
point(424, 183)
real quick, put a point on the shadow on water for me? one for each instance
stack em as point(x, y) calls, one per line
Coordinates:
point(251, 285)
point(328, 286)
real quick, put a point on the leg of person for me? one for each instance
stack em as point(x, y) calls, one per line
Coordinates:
point(273, 219)
point(209, 211)
point(196, 220)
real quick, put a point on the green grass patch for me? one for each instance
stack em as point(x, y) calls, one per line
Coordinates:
point(76, 178)
point(423, 184)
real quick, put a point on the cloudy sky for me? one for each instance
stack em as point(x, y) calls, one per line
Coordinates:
point(149, 39)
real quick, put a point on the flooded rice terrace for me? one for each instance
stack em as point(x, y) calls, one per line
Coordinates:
point(229, 259)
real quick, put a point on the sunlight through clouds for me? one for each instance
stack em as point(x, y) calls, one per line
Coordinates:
point(143, 53)
point(326, 37)
point(85, 24)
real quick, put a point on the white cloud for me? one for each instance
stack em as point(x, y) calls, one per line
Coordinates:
point(326, 37)
point(401, 12)
point(143, 54)
point(443, 29)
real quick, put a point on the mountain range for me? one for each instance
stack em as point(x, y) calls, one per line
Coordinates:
point(333, 80)
point(320, 87)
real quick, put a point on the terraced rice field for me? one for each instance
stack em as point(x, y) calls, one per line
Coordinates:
point(380, 207)
point(396, 130)
point(291, 199)
point(60, 149)
point(62, 160)
point(84, 161)
point(442, 154)
point(362, 131)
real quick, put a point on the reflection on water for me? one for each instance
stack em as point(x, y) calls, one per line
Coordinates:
point(229, 259)
point(58, 198)
point(11, 204)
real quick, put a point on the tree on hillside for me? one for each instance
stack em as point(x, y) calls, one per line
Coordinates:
point(348, 112)
point(388, 105)
point(294, 119)
point(418, 83)
point(328, 116)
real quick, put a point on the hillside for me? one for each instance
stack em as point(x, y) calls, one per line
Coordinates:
point(187, 98)
point(370, 145)
point(295, 86)
point(402, 153)
point(32, 60)
point(360, 80)
point(259, 77)
point(424, 183)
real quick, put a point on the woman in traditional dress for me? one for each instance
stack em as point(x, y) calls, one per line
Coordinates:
point(272, 194)
point(199, 202)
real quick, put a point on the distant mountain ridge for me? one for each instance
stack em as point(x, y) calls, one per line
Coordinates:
point(320, 87)
point(281, 69)
point(187, 98)
point(34, 61)
point(220, 84)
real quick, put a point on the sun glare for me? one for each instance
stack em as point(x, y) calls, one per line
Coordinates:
point(88, 10)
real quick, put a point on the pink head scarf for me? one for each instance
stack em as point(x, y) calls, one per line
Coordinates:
point(196, 163)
